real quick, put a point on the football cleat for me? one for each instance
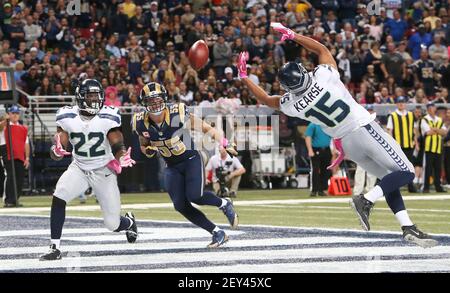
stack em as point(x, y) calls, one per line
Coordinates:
point(414, 235)
point(218, 238)
point(362, 207)
point(132, 232)
point(53, 254)
point(230, 213)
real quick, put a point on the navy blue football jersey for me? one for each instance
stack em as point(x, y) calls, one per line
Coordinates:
point(173, 141)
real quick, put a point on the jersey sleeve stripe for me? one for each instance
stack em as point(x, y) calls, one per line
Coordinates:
point(65, 115)
point(110, 117)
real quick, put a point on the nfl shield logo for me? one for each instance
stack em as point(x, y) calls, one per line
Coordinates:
point(146, 134)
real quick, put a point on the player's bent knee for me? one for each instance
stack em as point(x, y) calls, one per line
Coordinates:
point(112, 223)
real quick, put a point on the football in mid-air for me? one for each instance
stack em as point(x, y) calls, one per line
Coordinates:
point(198, 54)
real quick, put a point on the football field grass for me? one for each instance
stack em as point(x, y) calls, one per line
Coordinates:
point(289, 207)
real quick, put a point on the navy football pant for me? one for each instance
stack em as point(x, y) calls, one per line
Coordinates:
point(184, 183)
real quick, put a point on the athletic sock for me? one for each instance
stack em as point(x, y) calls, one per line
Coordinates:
point(56, 242)
point(374, 194)
point(57, 218)
point(216, 229)
point(403, 218)
point(125, 224)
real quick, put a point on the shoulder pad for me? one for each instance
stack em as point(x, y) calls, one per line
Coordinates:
point(66, 112)
point(110, 113)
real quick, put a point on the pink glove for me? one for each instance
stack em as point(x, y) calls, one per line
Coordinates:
point(58, 148)
point(124, 162)
point(338, 145)
point(286, 34)
point(242, 64)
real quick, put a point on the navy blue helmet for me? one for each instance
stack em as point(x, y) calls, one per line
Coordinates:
point(90, 96)
point(294, 78)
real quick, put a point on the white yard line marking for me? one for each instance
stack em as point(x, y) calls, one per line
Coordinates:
point(147, 233)
point(217, 255)
point(191, 244)
point(370, 266)
point(236, 203)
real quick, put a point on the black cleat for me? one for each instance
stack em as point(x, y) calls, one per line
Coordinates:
point(414, 235)
point(231, 214)
point(218, 239)
point(362, 207)
point(132, 232)
point(53, 254)
point(313, 193)
point(321, 193)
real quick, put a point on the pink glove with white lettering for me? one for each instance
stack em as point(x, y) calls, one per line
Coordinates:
point(57, 148)
point(286, 33)
point(341, 155)
point(242, 64)
point(124, 162)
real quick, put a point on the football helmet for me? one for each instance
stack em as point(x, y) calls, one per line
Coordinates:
point(153, 97)
point(294, 78)
point(90, 96)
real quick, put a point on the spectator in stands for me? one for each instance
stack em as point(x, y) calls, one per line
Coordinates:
point(111, 97)
point(32, 31)
point(393, 64)
point(222, 54)
point(421, 39)
point(21, 153)
point(396, 27)
point(424, 73)
point(437, 51)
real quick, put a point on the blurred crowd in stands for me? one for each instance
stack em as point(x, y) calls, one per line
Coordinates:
point(398, 49)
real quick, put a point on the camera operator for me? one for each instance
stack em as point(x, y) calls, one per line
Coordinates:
point(227, 172)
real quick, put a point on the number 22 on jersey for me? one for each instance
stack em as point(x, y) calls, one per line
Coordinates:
point(81, 139)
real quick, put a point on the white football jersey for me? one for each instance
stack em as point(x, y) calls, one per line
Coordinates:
point(91, 148)
point(327, 103)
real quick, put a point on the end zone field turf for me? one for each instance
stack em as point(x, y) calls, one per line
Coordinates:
point(281, 231)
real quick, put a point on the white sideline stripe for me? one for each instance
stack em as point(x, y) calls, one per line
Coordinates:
point(140, 206)
point(190, 244)
point(145, 232)
point(163, 258)
point(346, 208)
point(371, 266)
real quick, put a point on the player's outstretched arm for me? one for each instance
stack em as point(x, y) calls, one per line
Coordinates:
point(310, 44)
point(260, 94)
point(58, 149)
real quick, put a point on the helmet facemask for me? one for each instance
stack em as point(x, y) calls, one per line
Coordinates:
point(154, 104)
point(91, 102)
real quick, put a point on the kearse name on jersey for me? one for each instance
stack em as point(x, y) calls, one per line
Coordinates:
point(304, 102)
